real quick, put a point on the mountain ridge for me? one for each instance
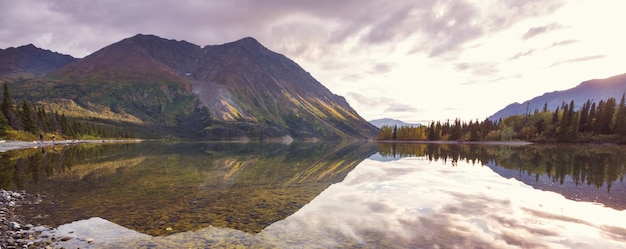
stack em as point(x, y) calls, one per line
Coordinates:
point(29, 61)
point(237, 89)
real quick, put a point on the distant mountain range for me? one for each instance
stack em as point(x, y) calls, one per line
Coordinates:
point(166, 87)
point(29, 61)
point(594, 90)
point(391, 122)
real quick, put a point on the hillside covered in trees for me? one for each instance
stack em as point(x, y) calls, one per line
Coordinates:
point(604, 121)
point(25, 121)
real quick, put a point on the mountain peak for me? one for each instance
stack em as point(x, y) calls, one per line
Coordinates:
point(29, 46)
point(248, 43)
point(148, 39)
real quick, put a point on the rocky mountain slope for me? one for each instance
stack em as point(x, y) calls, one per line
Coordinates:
point(238, 89)
point(595, 90)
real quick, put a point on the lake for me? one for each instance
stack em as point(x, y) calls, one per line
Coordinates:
point(324, 195)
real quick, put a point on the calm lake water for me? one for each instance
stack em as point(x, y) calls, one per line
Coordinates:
point(321, 195)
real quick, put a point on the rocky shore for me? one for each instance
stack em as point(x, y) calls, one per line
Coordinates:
point(15, 145)
point(14, 233)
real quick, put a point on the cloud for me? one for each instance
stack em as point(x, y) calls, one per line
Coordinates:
point(310, 29)
point(564, 43)
point(492, 80)
point(575, 60)
point(367, 101)
point(477, 68)
point(401, 108)
point(381, 68)
point(523, 54)
point(535, 31)
point(387, 104)
point(553, 45)
point(353, 77)
point(452, 26)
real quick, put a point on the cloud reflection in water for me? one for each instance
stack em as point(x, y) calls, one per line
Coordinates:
point(417, 203)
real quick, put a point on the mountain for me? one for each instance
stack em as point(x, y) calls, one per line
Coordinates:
point(29, 61)
point(391, 122)
point(168, 87)
point(595, 90)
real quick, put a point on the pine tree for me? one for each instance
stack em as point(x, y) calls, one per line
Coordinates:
point(8, 109)
point(605, 121)
point(27, 118)
point(4, 125)
point(583, 123)
point(620, 117)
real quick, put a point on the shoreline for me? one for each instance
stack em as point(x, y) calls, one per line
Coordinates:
point(14, 233)
point(454, 142)
point(7, 145)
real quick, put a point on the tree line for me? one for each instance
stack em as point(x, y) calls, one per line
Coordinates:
point(27, 121)
point(604, 121)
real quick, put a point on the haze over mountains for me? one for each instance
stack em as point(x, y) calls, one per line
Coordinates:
point(594, 90)
point(391, 122)
point(167, 87)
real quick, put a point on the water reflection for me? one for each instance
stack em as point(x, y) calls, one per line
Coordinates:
point(579, 172)
point(167, 188)
point(410, 202)
point(197, 195)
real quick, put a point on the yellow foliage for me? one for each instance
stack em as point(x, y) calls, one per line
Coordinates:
point(71, 109)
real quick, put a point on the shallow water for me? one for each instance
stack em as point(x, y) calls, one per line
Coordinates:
point(154, 195)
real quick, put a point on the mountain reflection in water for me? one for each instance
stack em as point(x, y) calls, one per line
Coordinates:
point(166, 188)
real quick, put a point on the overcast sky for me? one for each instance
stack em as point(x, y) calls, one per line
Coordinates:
point(415, 60)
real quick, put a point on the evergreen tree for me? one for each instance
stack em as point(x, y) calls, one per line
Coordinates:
point(433, 132)
point(42, 119)
point(620, 117)
point(27, 118)
point(583, 123)
point(8, 109)
point(4, 126)
point(563, 124)
point(606, 110)
point(457, 130)
point(593, 117)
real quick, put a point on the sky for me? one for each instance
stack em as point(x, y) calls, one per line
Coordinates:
point(413, 60)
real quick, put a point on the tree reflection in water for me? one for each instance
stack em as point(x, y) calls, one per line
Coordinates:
point(592, 173)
